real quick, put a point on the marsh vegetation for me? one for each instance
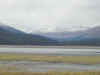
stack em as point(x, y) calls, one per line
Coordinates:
point(14, 69)
point(54, 59)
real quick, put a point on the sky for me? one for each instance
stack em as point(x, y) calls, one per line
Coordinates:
point(50, 15)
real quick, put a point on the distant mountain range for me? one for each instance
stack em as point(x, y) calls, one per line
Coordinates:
point(90, 36)
point(12, 36)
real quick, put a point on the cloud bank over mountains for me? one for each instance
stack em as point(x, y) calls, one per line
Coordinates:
point(50, 15)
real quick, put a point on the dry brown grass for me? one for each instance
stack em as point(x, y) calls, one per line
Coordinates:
point(44, 58)
point(65, 59)
point(50, 73)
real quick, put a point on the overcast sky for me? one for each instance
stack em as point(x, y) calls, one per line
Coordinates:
point(50, 15)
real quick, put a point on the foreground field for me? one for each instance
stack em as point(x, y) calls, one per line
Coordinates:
point(50, 73)
point(53, 59)
point(13, 70)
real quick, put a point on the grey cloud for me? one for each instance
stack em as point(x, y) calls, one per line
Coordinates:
point(37, 15)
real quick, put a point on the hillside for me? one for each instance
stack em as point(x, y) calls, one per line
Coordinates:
point(85, 37)
point(11, 36)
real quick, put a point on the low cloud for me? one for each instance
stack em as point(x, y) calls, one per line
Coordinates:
point(50, 15)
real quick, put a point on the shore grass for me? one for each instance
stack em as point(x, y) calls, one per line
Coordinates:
point(11, 70)
point(53, 59)
point(50, 73)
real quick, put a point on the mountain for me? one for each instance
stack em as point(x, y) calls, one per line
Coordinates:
point(12, 36)
point(93, 32)
point(85, 37)
point(90, 37)
point(62, 36)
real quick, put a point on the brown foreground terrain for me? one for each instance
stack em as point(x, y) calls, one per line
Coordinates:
point(50, 73)
point(53, 59)
point(88, 60)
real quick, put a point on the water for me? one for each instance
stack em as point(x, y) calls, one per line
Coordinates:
point(51, 51)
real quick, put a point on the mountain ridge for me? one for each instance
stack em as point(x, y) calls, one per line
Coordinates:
point(12, 36)
point(85, 37)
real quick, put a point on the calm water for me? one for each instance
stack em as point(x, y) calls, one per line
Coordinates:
point(52, 51)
